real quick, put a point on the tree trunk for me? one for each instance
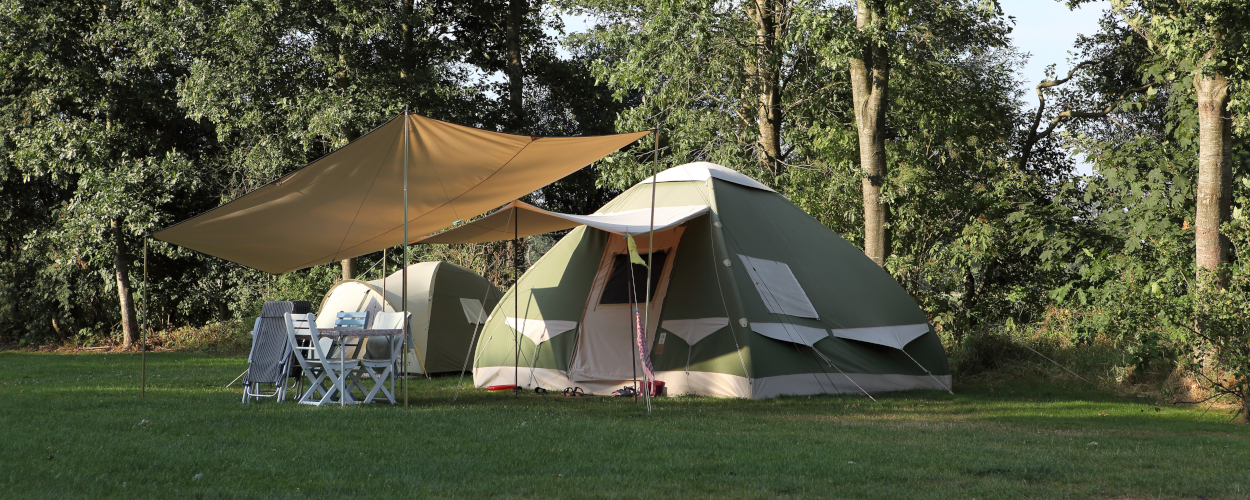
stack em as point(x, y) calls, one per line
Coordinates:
point(870, 79)
point(405, 26)
point(342, 81)
point(1215, 177)
point(130, 323)
point(769, 28)
point(517, 10)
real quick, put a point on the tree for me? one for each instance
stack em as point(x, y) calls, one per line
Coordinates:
point(284, 86)
point(1201, 44)
point(731, 83)
point(893, 36)
point(88, 109)
point(870, 83)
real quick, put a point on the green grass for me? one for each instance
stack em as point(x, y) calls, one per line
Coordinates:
point(74, 426)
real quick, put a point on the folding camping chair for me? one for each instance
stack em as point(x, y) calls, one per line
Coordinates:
point(355, 321)
point(381, 358)
point(270, 357)
point(317, 361)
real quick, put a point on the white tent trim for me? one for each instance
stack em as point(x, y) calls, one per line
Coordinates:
point(540, 331)
point(787, 332)
point(638, 221)
point(701, 171)
point(694, 330)
point(473, 312)
point(889, 336)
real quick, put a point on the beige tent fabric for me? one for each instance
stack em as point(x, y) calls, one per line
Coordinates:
point(503, 224)
point(350, 202)
point(603, 352)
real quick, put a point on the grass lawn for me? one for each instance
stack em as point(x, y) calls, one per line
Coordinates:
point(74, 426)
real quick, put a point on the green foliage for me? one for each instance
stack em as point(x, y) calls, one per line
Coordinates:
point(92, 138)
point(1216, 320)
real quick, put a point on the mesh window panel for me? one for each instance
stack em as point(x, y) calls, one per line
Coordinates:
point(618, 288)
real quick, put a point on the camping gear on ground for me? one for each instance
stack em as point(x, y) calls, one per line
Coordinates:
point(501, 388)
point(270, 357)
point(750, 297)
point(382, 369)
point(448, 304)
point(657, 388)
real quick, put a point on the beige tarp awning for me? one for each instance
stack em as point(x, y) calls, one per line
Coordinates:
point(520, 219)
point(502, 225)
point(350, 202)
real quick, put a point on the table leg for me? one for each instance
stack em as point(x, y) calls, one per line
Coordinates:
point(342, 380)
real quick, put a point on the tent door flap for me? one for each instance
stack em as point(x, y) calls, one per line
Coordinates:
point(605, 345)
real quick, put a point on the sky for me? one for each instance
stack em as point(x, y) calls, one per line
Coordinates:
point(1046, 30)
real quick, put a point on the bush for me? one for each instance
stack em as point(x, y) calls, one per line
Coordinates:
point(1025, 353)
point(225, 337)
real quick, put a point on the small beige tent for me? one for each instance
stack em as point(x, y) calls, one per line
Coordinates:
point(447, 302)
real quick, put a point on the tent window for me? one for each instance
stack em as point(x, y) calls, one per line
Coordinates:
point(473, 311)
point(617, 290)
point(777, 286)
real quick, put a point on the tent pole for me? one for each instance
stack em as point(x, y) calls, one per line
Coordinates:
point(655, 162)
point(631, 295)
point(143, 342)
point(404, 298)
point(516, 306)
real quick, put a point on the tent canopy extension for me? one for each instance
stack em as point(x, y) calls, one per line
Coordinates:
point(753, 298)
point(350, 202)
point(520, 219)
point(448, 304)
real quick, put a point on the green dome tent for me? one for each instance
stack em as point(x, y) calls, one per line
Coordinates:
point(448, 303)
point(753, 298)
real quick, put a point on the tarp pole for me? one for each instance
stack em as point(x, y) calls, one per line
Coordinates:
point(143, 334)
point(404, 299)
point(516, 305)
point(655, 162)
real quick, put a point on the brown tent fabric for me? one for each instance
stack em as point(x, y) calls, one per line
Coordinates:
point(350, 202)
point(502, 225)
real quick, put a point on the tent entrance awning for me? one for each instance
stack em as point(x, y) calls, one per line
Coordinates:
point(519, 219)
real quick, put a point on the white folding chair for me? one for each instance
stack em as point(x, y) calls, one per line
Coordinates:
point(379, 363)
point(318, 363)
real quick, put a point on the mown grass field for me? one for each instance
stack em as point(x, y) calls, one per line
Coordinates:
point(74, 427)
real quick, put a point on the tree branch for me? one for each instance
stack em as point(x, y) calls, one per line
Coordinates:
point(1035, 136)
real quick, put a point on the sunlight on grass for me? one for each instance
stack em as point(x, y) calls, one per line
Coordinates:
point(75, 427)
